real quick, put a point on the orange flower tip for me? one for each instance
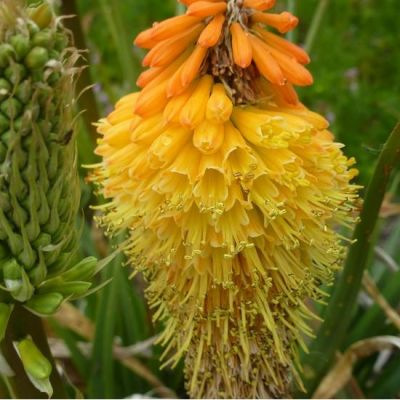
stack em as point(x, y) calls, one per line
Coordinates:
point(308, 79)
point(144, 40)
point(192, 65)
point(287, 94)
point(283, 22)
point(167, 51)
point(242, 52)
point(173, 26)
point(283, 45)
point(291, 21)
point(261, 5)
point(266, 63)
point(212, 32)
point(151, 101)
point(175, 85)
point(293, 71)
point(206, 8)
point(146, 76)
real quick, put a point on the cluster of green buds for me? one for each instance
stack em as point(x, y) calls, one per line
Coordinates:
point(39, 183)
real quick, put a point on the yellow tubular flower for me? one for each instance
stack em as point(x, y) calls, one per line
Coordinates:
point(230, 189)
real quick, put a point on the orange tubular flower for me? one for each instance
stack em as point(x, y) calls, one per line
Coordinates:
point(242, 53)
point(283, 22)
point(261, 5)
point(158, 57)
point(192, 66)
point(284, 46)
point(230, 189)
point(266, 63)
point(206, 8)
point(212, 33)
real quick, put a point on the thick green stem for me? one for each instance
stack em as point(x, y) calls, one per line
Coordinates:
point(315, 24)
point(340, 309)
point(21, 324)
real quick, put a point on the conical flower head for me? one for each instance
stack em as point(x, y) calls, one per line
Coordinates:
point(39, 185)
point(231, 190)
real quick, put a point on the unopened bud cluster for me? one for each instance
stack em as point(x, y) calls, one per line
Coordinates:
point(39, 185)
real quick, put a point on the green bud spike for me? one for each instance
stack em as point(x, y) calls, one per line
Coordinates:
point(39, 182)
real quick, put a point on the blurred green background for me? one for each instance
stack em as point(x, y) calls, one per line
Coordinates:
point(354, 46)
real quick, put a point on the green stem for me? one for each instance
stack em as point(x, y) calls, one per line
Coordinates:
point(315, 24)
point(21, 324)
point(340, 308)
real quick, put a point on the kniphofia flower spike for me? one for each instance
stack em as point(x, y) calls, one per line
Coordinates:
point(230, 189)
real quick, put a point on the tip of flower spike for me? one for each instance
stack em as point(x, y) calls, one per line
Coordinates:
point(225, 35)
